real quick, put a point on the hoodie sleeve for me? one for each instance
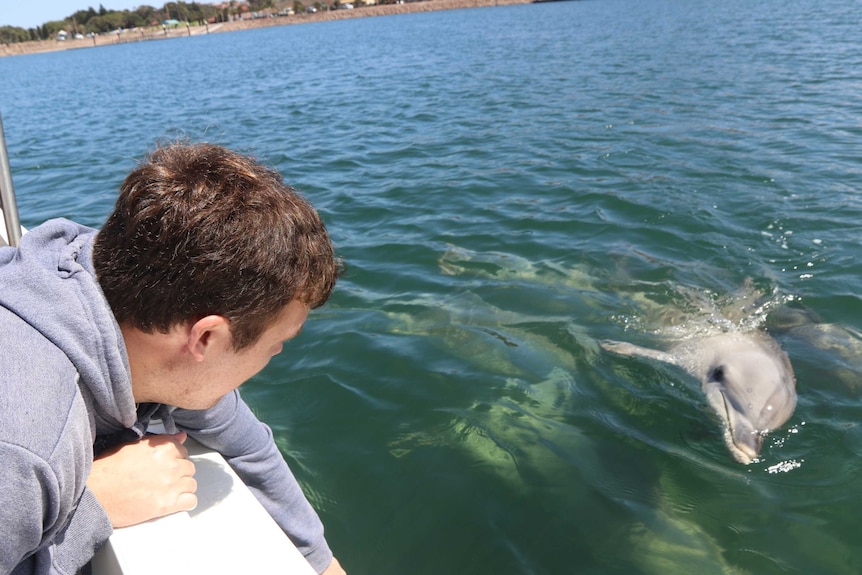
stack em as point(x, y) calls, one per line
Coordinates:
point(231, 429)
point(83, 536)
point(42, 530)
point(29, 504)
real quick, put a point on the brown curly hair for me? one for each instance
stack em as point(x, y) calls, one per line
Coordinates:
point(199, 230)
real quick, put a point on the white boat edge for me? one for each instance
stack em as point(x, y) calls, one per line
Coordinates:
point(228, 532)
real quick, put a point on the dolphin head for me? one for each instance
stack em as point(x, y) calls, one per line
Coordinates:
point(753, 392)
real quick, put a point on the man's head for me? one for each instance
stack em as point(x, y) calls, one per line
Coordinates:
point(199, 230)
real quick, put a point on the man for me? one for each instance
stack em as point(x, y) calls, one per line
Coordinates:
point(208, 263)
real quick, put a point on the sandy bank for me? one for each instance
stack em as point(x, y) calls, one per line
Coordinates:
point(181, 31)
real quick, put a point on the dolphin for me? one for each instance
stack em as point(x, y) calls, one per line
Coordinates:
point(746, 377)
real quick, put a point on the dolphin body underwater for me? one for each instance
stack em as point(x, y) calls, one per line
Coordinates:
point(746, 377)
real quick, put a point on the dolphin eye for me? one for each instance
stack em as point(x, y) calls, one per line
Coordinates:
point(717, 374)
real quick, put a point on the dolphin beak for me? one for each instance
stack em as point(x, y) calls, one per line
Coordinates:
point(746, 445)
point(743, 441)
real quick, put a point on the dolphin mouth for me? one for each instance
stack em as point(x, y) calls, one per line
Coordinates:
point(745, 447)
point(744, 442)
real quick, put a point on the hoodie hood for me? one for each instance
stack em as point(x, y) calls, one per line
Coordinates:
point(49, 282)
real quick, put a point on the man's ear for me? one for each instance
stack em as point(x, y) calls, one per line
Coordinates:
point(208, 333)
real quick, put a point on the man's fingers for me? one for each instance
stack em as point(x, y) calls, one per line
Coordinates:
point(187, 502)
point(189, 485)
point(185, 468)
point(181, 450)
point(180, 497)
point(173, 442)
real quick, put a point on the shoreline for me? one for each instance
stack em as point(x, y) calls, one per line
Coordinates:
point(143, 35)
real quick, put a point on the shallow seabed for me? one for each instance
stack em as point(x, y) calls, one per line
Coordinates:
point(509, 186)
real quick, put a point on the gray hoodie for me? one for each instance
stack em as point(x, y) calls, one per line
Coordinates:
point(65, 386)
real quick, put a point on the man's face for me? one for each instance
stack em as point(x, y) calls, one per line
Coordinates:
point(228, 369)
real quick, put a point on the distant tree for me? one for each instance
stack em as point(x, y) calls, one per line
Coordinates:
point(195, 12)
point(82, 16)
point(177, 10)
point(98, 25)
point(131, 20)
point(50, 29)
point(107, 23)
point(148, 14)
point(13, 34)
point(202, 12)
point(298, 7)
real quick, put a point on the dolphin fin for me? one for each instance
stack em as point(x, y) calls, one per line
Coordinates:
point(624, 348)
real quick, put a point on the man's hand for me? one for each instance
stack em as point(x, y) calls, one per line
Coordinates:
point(334, 568)
point(140, 481)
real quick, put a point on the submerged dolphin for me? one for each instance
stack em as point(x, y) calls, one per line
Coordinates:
point(746, 378)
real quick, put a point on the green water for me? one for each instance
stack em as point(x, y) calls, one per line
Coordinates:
point(507, 187)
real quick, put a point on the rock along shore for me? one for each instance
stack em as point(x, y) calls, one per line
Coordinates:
point(145, 34)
